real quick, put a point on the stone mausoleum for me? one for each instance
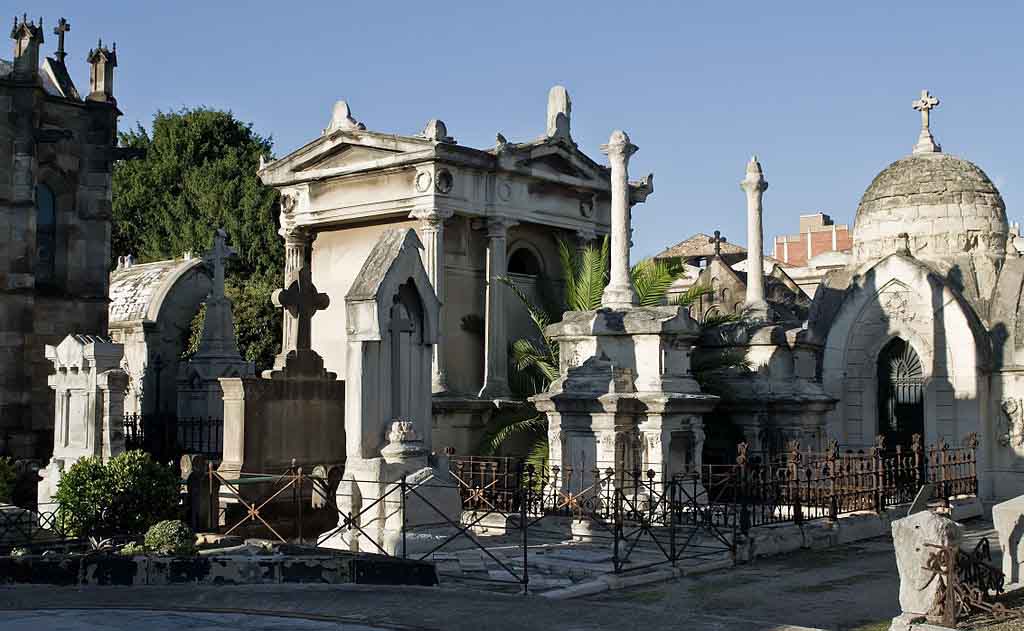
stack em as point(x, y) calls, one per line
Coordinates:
point(481, 214)
point(923, 331)
point(57, 147)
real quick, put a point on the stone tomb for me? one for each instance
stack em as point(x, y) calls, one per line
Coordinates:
point(89, 385)
point(1008, 518)
point(392, 314)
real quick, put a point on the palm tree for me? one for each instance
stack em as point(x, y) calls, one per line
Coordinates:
point(534, 360)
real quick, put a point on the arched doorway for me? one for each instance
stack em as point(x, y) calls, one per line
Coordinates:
point(900, 393)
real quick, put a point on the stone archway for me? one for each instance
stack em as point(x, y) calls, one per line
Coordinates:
point(900, 393)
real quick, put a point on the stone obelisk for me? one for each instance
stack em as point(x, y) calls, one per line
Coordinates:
point(754, 185)
point(619, 294)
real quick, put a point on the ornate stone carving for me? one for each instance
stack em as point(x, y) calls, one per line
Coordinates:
point(288, 203)
point(897, 306)
point(1010, 428)
point(444, 182)
point(423, 180)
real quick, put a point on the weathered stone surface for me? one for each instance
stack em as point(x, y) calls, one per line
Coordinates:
point(1008, 518)
point(910, 537)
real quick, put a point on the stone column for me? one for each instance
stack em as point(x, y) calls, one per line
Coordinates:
point(432, 233)
point(619, 293)
point(584, 239)
point(495, 353)
point(297, 264)
point(754, 185)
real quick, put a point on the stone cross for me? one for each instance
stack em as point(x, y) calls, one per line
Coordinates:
point(63, 26)
point(925, 141)
point(302, 301)
point(925, 105)
point(718, 240)
point(216, 257)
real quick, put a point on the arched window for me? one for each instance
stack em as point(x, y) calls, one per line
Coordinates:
point(900, 393)
point(524, 262)
point(46, 235)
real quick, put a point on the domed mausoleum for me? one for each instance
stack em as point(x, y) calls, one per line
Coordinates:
point(921, 330)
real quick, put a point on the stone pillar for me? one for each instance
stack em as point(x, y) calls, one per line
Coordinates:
point(297, 255)
point(619, 293)
point(495, 353)
point(584, 239)
point(754, 185)
point(432, 231)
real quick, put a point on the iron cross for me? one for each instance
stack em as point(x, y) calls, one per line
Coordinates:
point(63, 26)
point(216, 257)
point(718, 240)
point(302, 301)
point(925, 104)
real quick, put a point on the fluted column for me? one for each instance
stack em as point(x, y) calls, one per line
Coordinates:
point(297, 264)
point(619, 293)
point(432, 233)
point(754, 185)
point(495, 351)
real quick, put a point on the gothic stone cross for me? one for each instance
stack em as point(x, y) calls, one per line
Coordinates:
point(302, 301)
point(216, 257)
point(718, 240)
point(63, 26)
point(925, 104)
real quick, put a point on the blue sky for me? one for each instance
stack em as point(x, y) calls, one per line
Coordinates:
point(821, 91)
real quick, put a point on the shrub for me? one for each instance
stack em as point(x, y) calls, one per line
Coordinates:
point(126, 495)
point(20, 552)
point(171, 537)
point(133, 548)
point(8, 476)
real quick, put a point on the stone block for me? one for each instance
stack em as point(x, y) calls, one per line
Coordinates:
point(911, 536)
point(1008, 519)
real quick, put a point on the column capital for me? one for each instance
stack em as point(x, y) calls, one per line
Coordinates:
point(754, 182)
point(497, 227)
point(619, 147)
point(432, 217)
point(585, 235)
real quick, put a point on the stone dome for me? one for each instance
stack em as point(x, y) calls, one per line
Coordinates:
point(947, 206)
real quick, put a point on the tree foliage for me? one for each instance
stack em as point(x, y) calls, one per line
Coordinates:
point(199, 174)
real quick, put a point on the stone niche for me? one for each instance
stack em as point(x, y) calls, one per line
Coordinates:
point(89, 385)
point(392, 314)
point(625, 398)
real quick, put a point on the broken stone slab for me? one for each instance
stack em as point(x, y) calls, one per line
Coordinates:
point(911, 538)
point(1008, 519)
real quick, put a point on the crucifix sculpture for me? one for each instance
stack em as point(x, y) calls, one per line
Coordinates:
point(302, 301)
point(926, 142)
point(216, 258)
point(63, 26)
point(718, 240)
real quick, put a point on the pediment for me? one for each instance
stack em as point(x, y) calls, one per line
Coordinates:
point(343, 156)
point(559, 160)
point(558, 164)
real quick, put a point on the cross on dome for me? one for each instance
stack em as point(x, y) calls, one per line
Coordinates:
point(926, 142)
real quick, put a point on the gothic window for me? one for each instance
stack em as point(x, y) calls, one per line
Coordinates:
point(524, 262)
point(900, 393)
point(46, 235)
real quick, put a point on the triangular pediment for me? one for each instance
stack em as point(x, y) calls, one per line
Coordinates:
point(560, 161)
point(343, 156)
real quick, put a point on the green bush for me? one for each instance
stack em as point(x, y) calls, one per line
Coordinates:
point(132, 548)
point(171, 537)
point(7, 479)
point(126, 495)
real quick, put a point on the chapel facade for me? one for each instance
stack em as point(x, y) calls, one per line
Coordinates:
point(57, 147)
point(923, 331)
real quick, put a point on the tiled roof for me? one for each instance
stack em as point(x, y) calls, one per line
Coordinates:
point(698, 245)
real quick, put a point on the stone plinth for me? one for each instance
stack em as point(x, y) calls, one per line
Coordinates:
point(89, 387)
point(296, 414)
point(1008, 518)
point(910, 536)
point(625, 398)
point(777, 397)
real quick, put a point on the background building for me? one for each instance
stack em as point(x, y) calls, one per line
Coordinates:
point(818, 234)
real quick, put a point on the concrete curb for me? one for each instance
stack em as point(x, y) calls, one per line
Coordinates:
point(611, 582)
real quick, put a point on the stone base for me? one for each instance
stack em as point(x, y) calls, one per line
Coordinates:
point(913, 622)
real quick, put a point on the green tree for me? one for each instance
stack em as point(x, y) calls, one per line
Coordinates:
point(199, 174)
point(534, 361)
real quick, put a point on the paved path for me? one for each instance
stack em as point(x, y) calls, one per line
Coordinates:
point(150, 620)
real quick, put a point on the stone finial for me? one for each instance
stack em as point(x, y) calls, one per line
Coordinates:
point(903, 244)
point(63, 26)
point(926, 142)
point(754, 185)
point(437, 131)
point(27, 38)
point(559, 113)
point(619, 293)
point(500, 143)
point(102, 61)
point(341, 118)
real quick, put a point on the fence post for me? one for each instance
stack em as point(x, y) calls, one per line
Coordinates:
point(525, 528)
point(401, 499)
point(673, 496)
point(944, 459)
point(877, 474)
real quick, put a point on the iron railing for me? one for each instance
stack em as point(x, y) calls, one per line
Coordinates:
point(168, 437)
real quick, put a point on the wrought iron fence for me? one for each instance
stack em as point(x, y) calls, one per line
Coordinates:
point(168, 437)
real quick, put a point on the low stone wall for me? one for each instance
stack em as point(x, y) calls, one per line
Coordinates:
point(765, 541)
point(115, 569)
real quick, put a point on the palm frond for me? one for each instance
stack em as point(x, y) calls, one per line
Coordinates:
point(591, 277)
point(693, 294)
point(533, 427)
point(537, 315)
point(526, 357)
point(717, 318)
point(570, 260)
point(651, 279)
